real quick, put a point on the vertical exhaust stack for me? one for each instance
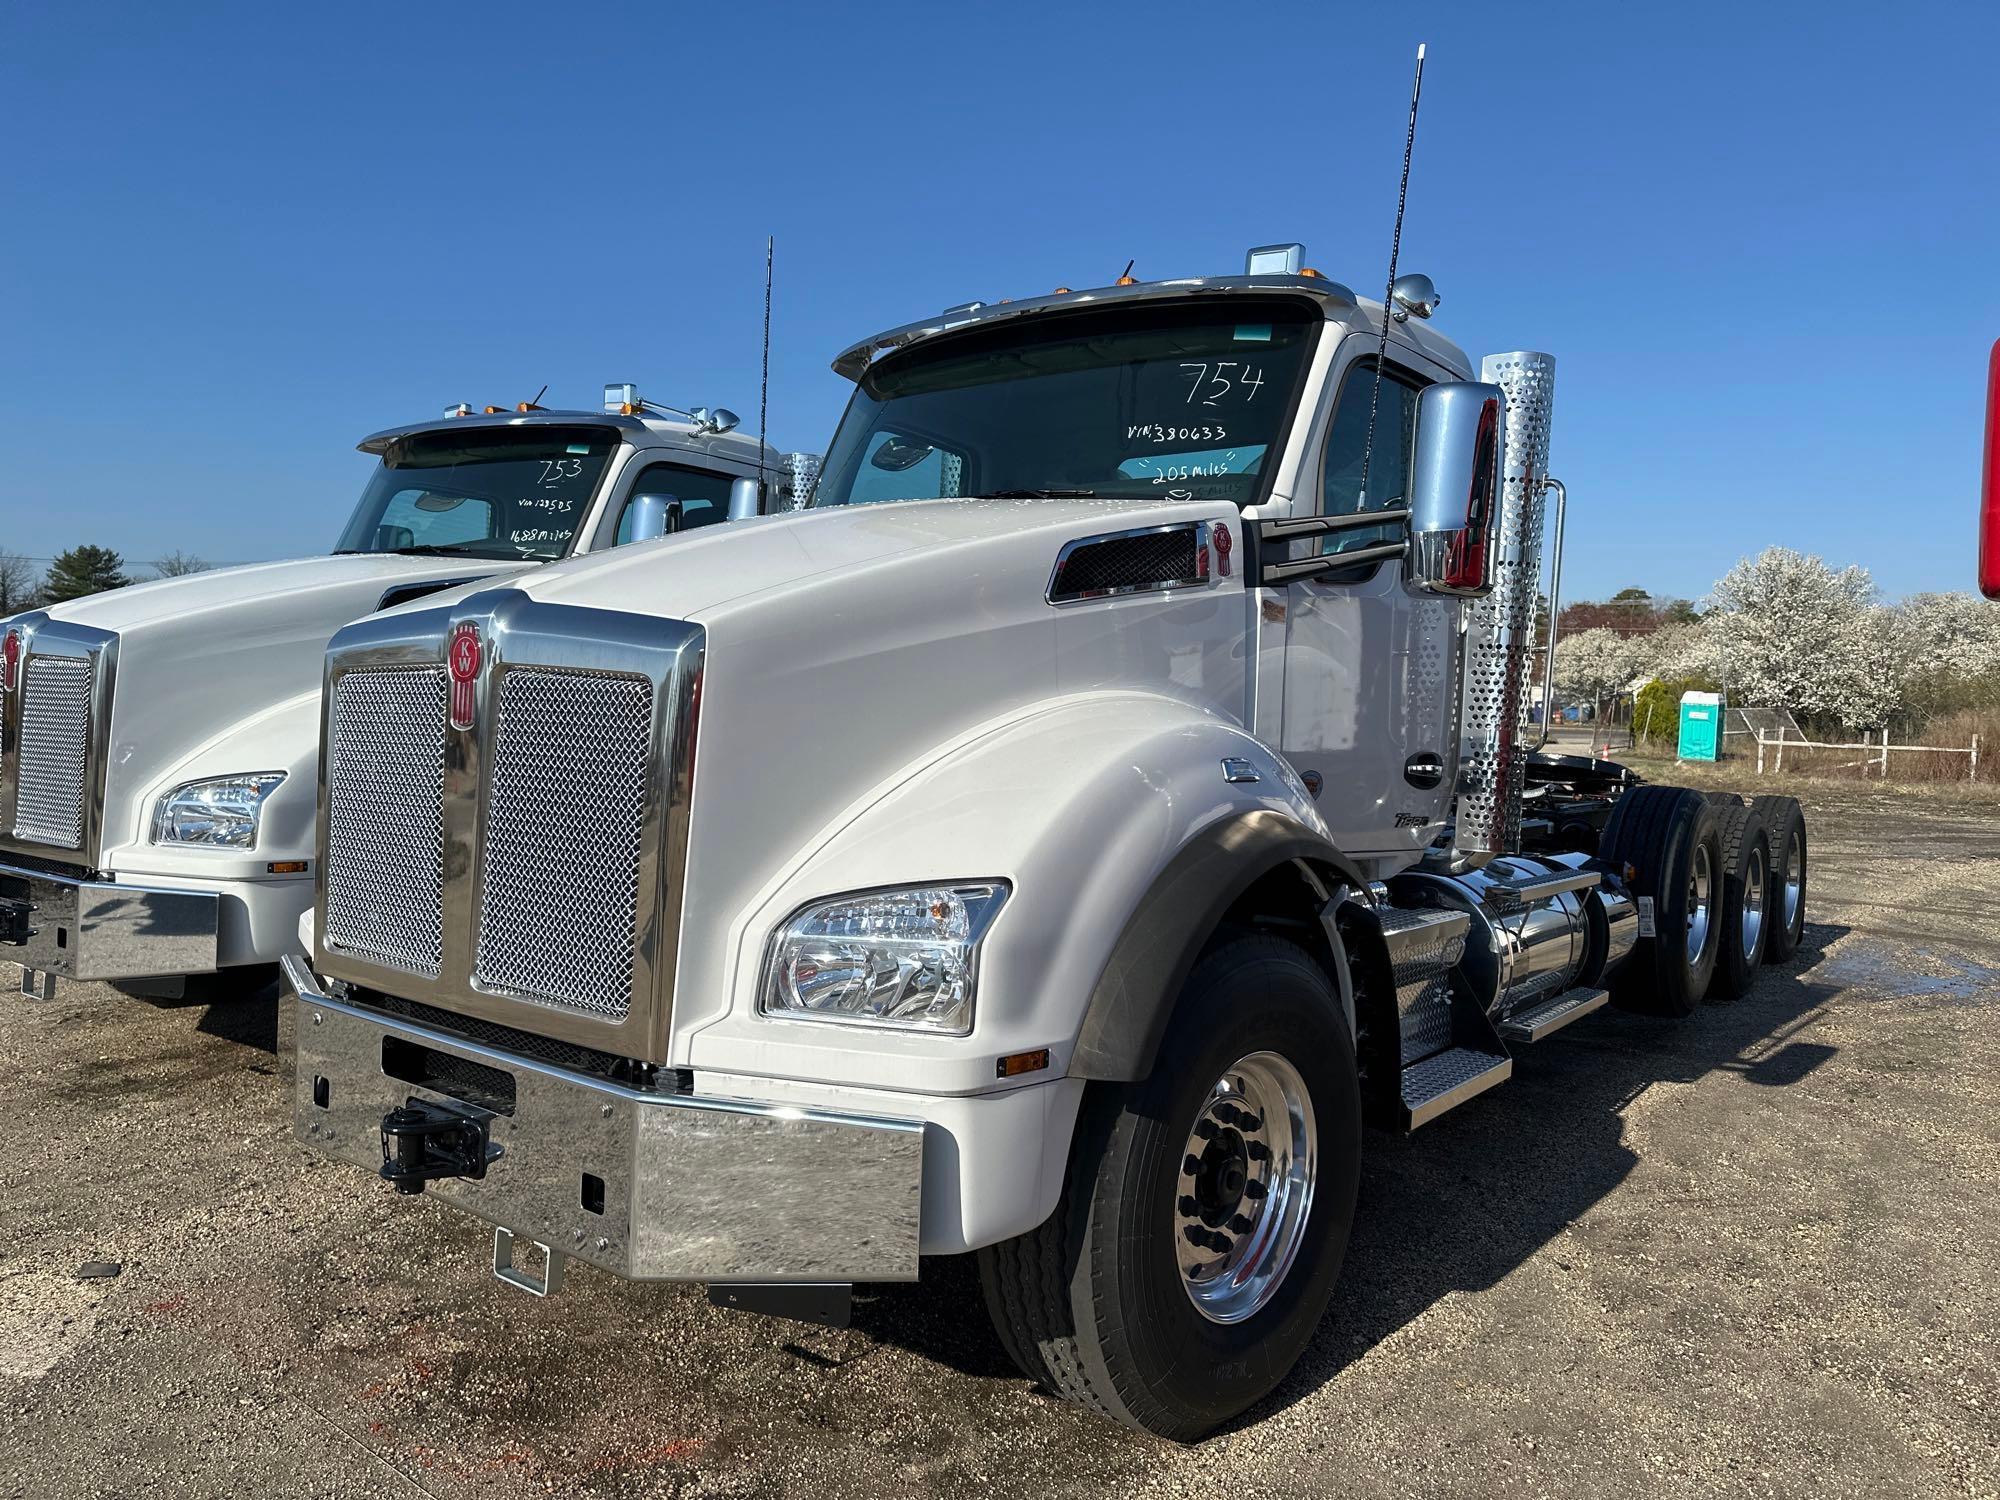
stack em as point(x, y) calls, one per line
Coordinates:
point(1500, 629)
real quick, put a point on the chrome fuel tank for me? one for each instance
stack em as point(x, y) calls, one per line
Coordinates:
point(1539, 926)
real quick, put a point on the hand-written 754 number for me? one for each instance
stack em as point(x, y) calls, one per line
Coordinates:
point(1227, 379)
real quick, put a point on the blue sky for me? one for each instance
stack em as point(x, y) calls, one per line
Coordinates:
point(1761, 240)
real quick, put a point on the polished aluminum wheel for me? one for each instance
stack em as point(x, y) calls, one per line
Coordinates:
point(1753, 903)
point(1795, 878)
point(1701, 897)
point(1245, 1189)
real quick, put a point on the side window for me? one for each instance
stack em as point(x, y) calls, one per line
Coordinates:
point(1388, 468)
point(703, 496)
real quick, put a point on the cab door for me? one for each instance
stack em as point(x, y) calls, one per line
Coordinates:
point(1371, 670)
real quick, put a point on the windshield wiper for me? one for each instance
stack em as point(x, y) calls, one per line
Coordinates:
point(1039, 495)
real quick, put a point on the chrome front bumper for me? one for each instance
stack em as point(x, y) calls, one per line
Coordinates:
point(649, 1186)
point(95, 929)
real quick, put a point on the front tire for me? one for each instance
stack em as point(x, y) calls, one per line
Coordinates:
point(1206, 1210)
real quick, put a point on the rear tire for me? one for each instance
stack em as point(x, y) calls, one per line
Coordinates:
point(1662, 839)
point(1785, 823)
point(1103, 1304)
point(1746, 897)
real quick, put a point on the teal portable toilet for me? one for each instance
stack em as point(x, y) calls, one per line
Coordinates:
point(1701, 725)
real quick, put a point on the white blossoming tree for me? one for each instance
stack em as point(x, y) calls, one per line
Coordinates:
point(1793, 633)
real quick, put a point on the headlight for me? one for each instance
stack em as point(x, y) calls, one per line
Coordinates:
point(221, 812)
point(903, 958)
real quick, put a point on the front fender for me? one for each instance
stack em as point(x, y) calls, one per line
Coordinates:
point(281, 736)
point(1085, 807)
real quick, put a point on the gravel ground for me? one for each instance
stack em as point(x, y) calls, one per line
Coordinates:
point(1755, 1253)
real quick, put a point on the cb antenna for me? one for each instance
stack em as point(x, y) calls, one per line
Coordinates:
point(1389, 292)
point(764, 383)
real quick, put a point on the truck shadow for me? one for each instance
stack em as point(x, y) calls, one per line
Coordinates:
point(1467, 1200)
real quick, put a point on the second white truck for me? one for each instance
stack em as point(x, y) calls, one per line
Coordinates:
point(158, 743)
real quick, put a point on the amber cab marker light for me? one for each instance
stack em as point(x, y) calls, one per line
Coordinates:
point(1989, 503)
point(1022, 1062)
point(1309, 271)
point(1127, 278)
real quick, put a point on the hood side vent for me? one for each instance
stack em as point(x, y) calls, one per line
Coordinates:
point(403, 593)
point(1131, 562)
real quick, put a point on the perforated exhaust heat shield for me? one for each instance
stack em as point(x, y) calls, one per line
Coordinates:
point(1501, 629)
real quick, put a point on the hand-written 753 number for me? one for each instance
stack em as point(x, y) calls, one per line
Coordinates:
point(1224, 380)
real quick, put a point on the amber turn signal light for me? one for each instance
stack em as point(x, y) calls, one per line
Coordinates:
point(1022, 1062)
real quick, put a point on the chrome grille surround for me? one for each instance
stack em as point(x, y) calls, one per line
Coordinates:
point(53, 733)
point(522, 903)
point(384, 848)
point(570, 757)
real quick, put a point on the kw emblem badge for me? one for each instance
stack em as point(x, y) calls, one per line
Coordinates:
point(463, 658)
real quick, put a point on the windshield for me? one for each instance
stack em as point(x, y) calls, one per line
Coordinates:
point(481, 492)
point(1175, 400)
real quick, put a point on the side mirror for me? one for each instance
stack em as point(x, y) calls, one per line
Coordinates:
point(718, 419)
point(394, 538)
point(1455, 489)
point(745, 499)
point(654, 515)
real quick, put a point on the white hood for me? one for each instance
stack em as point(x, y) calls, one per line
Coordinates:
point(219, 673)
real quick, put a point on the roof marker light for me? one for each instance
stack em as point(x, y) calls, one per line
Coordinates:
point(463, 409)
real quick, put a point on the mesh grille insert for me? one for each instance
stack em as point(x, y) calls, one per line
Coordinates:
point(55, 736)
point(385, 819)
point(558, 913)
point(1127, 562)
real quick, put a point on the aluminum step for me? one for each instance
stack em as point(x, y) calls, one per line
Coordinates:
point(1446, 1079)
point(1552, 1015)
point(1544, 886)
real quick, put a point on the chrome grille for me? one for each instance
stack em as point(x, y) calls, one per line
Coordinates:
point(565, 814)
point(54, 753)
point(384, 855)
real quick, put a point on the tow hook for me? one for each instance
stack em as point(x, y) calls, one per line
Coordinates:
point(423, 1141)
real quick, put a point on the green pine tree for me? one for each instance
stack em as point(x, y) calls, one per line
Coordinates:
point(83, 570)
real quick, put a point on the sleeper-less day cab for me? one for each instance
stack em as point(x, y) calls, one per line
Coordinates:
point(158, 743)
point(1048, 844)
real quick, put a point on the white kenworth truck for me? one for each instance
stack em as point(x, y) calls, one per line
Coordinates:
point(1050, 843)
point(158, 744)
